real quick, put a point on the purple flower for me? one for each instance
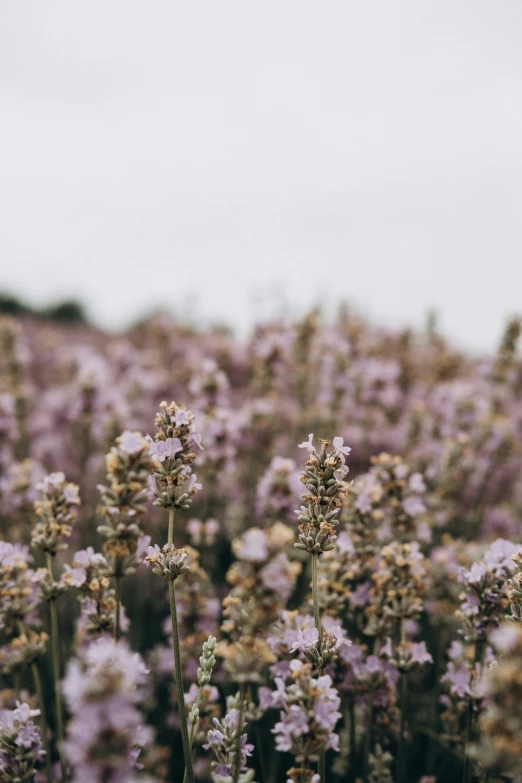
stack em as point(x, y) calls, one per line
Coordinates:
point(296, 721)
point(181, 418)
point(222, 740)
point(305, 639)
point(360, 596)
point(340, 449)
point(308, 444)
point(253, 546)
point(413, 505)
point(197, 440)
point(74, 576)
point(21, 750)
point(419, 653)
point(416, 483)
point(165, 449)
point(498, 556)
point(458, 677)
point(71, 494)
point(131, 442)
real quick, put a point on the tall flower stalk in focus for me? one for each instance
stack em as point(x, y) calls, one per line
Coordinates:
point(56, 513)
point(124, 500)
point(174, 485)
point(323, 478)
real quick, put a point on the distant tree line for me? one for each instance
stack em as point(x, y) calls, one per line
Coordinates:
point(66, 311)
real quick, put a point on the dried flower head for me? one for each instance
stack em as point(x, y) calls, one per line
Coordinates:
point(167, 561)
point(56, 513)
point(124, 500)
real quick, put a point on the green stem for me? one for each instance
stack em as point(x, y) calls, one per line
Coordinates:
point(467, 775)
point(236, 767)
point(315, 601)
point(43, 720)
point(170, 536)
point(193, 728)
point(435, 704)
point(401, 759)
point(321, 765)
point(187, 755)
point(117, 595)
point(304, 770)
point(401, 755)
point(55, 645)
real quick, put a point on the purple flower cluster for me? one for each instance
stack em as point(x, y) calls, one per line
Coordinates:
point(309, 713)
point(405, 562)
point(103, 688)
point(485, 598)
point(21, 750)
point(226, 743)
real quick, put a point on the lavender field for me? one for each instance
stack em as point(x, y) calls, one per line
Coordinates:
point(294, 557)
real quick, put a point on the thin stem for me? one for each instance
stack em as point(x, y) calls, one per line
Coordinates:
point(55, 645)
point(321, 765)
point(259, 744)
point(236, 768)
point(401, 755)
point(117, 595)
point(435, 703)
point(321, 768)
point(467, 773)
point(304, 776)
point(401, 759)
point(315, 601)
point(170, 537)
point(193, 728)
point(43, 721)
point(180, 691)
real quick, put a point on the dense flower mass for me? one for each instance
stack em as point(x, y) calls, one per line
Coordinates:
point(376, 640)
point(106, 731)
point(309, 714)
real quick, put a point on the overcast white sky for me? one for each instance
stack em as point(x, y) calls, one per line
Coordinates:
point(197, 154)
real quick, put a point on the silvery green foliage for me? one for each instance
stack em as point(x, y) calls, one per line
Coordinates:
point(207, 661)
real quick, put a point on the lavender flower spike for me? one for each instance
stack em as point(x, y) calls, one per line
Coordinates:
point(106, 731)
point(21, 750)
